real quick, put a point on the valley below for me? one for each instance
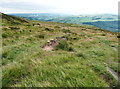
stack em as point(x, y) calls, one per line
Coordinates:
point(103, 21)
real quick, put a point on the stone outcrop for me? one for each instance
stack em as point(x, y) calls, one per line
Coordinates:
point(50, 45)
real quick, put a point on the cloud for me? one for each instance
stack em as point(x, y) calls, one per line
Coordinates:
point(23, 6)
point(60, 6)
point(18, 7)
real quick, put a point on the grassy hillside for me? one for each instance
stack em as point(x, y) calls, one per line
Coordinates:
point(103, 21)
point(78, 61)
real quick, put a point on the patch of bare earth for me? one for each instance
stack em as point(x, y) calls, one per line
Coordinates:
point(51, 44)
point(48, 48)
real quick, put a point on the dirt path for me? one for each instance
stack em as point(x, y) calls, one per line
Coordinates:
point(115, 49)
point(114, 74)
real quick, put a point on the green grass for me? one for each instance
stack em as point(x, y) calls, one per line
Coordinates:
point(25, 64)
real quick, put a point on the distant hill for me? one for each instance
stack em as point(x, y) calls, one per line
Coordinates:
point(49, 54)
point(108, 25)
point(103, 21)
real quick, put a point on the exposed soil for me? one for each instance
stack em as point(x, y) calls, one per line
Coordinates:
point(52, 43)
point(48, 48)
point(114, 74)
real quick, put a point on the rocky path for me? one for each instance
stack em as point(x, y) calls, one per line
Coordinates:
point(114, 74)
point(115, 49)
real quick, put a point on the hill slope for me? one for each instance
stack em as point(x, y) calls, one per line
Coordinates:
point(77, 61)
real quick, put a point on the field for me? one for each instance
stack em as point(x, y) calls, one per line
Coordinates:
point(79, 61)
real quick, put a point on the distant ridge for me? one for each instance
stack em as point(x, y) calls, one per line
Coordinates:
point(103, 21)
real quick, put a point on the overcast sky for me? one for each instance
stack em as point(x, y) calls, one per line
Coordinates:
point(60, 6)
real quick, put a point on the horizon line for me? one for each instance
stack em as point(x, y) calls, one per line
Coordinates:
point(58, 13)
